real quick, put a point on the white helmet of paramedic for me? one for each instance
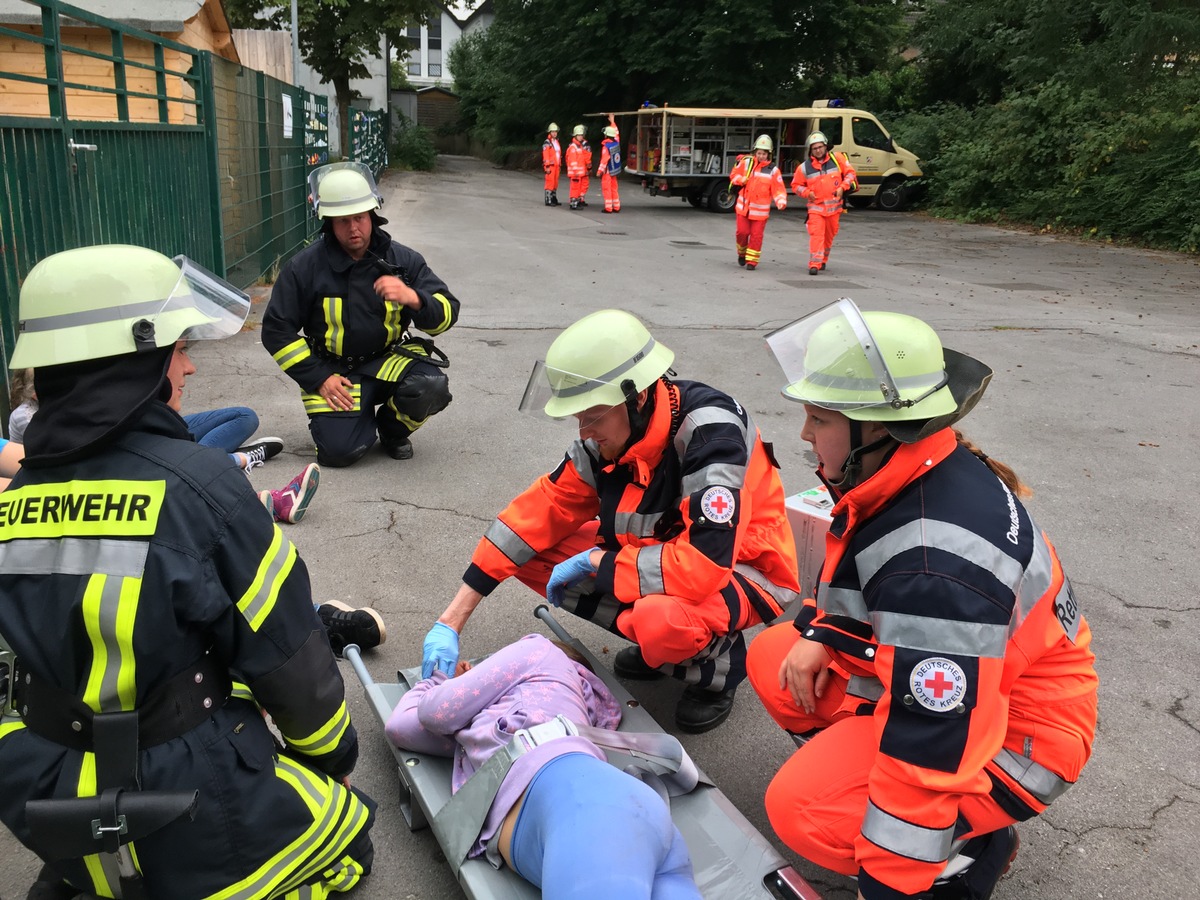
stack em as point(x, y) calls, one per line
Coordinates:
point(113, 299)
point(578, 131)
point(600, 361)
point(343, 189)
point(877, 367)
point(553, 126)
point(817, 137)
point(610, 131)
point(764, 142)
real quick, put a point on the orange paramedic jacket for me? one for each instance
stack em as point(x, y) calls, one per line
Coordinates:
point(948, 608)
point(652, 503)
point(818, 184)
point(761, 186)
point(579, 159)
point(550, 153)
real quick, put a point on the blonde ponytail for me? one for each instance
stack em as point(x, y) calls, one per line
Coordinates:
point(1002, 471)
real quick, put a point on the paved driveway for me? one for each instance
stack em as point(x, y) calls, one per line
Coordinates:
point(1097, 358)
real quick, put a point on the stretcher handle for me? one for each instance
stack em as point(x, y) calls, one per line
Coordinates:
point(352, 653)
point(542, 611)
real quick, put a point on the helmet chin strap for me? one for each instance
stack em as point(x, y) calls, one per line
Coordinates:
point(852, 466)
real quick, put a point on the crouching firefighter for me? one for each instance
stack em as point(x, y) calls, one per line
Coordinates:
point(339, 325)
point(156, 612)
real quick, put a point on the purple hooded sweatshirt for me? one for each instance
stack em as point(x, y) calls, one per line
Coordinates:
point(472, 716)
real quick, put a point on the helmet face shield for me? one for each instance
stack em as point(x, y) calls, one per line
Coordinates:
point(343, 205)
point(568, 397)
point(832, 360)
point(213, 297)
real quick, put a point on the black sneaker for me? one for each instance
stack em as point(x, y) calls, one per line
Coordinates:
point(629, 664)
point(992, 854)
point(260, 450)
point(700, 709)
point(401, 449)
point(347, 625)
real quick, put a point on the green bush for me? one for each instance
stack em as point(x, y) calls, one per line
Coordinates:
point(412, 147)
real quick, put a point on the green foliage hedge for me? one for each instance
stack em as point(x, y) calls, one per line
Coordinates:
point(413, 148)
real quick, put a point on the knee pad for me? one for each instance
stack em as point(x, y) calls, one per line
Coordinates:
point(422, 393)
point(341, 460)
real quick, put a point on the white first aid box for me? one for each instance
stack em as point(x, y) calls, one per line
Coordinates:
point(809, 515)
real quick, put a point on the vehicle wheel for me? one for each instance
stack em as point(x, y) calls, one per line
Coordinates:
point(720, 198)
point(697, 200)
point(891, 195)
point(860, 202)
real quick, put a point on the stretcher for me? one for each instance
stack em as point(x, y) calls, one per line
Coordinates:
point(731, 858)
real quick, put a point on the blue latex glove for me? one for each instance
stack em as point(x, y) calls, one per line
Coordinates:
point(568, 572)
point(440, 650)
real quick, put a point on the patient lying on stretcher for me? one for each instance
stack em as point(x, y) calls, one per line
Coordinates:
point(563, 819)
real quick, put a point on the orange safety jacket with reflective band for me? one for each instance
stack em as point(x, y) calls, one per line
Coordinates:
point(950, 612)
point(579, 159)
point(761, 185)
point(551, 153)
point(698, 496)
point(818, 183)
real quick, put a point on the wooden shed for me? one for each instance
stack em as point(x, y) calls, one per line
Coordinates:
point(200, 24)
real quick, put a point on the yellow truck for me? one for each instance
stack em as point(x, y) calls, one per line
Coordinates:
point(688, 152)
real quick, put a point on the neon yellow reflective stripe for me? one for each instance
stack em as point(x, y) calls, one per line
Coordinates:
point(395, 366)
point(9, 727)
point(315, 403)
point(393, 321)
point(334, 330)
point(447, 315)
point(242, 691)
point(85, 786)
point(258, 601)
point(337, 817)
point(293, 353)
point(325, 738)
point(81, 509)
point(407, 421)
point(109, 609)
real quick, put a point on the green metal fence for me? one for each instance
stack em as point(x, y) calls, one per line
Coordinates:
point(368, 138)
point(110, 134)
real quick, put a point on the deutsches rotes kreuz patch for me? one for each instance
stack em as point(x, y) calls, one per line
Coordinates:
point(938, 684)
point(717, 504)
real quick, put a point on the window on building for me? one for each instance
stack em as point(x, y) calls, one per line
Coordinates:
point(435, 70)
point(435, 34)
point(414, 67)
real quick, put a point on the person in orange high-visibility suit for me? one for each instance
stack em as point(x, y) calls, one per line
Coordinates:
point(940, 685)
point(551, 164)
point(579, 163)
point(610, 166)
point(761, 185)
point(822, 179)
point(663, 523)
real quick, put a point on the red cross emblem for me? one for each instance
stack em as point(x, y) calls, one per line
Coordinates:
point(939, 684)
point(717, 504)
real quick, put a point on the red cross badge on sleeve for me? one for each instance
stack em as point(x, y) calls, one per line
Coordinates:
point(938, 684)
point(718, 505)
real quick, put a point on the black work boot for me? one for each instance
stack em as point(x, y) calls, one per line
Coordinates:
point(398, 449)
point(700, 709)
point(554, 199)
point(574, 203)
point(629, 664)
point(547, 198)
point(993, 853)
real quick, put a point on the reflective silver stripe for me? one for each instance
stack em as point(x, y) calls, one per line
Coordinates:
point(636, 524)
point(842, 602)
point(510, 543)
point(869, 688)
point(930, 845)
point(74, 556)
point(322, 205)
point(608, 377)
point(110, 633)
point(931, 381)
point(583, 463)
point(940, 635)
point(710, 415)
point(649, 566)
point(269, 579)
point(725, 474)
point(1038, 576)
point(945, 536)
point(1033, 777)
point(783, 596)
point(107, 314)
point(290, 357)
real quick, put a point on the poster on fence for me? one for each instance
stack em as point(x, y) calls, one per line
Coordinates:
point(287, 116)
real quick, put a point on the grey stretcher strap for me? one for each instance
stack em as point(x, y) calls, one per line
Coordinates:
point(657, 755)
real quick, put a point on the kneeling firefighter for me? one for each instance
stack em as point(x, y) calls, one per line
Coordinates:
point(156, 612)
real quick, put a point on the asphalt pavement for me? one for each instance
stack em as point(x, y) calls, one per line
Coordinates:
point(1096, 351)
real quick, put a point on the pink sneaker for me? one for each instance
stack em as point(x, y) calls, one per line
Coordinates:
point(293, 500)
point(267, 499)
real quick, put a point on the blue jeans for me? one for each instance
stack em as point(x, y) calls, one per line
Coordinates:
point(226, 429)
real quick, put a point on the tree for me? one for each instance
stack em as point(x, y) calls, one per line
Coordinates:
point(336, 36)
point(554, 59)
